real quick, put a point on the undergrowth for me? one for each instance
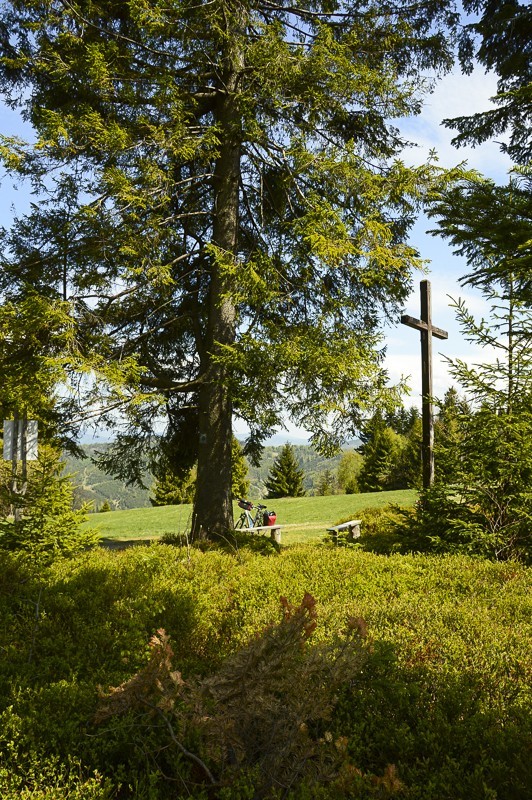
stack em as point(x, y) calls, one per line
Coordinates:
point(432, 704)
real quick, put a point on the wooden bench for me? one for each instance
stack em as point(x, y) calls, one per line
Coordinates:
point(352, 527)
point(275, 531)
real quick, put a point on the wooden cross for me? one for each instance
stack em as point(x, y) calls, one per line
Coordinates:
point(427, 331)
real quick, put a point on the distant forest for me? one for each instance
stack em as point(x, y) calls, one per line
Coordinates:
point(96, 487)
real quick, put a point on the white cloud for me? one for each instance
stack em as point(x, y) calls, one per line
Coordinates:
point(456, 95)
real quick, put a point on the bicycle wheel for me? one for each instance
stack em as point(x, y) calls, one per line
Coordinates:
point(240, 521)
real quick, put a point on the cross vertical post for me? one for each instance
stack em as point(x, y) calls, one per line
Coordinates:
point(427, 331)
point(427, 409)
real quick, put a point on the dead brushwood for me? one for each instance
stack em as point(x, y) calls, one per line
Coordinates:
point(267, 710)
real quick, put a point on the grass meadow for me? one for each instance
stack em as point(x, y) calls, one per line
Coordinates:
point(303, 519)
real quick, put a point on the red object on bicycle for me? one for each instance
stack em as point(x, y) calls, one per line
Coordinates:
point(247, 505)
point(269, 517)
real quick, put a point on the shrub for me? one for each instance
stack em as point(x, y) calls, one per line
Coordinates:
point(51, 780)
point(468, 519)
point(443, 691)
point(378, 530)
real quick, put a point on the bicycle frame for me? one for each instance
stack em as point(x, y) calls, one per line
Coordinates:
point(247, 520)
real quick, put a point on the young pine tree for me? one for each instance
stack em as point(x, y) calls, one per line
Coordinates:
point(327, 484)
point(285, 478)
point(173, 490)
point(486, 508)
point(48, 526)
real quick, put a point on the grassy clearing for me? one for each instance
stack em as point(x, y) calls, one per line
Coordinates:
point(303, 518)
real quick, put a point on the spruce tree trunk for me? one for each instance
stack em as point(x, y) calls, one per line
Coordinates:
point(213, 514)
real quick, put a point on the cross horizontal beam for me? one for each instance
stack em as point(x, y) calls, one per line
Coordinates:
point(420, 325)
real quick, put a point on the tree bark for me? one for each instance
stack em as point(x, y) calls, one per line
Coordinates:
point(213, 513)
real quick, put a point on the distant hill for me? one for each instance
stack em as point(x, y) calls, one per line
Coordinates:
point(312, 464)
point(95, 486)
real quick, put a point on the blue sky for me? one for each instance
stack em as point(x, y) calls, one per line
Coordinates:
point(455, 95)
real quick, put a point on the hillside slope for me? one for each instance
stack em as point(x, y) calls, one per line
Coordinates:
point(96, 487)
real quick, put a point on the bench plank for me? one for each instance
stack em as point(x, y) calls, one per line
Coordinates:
point(275, 531)
point(353, 528)
point(353, 523)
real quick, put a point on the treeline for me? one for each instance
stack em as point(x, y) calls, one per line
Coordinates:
point(92, 485)
point(387, 457)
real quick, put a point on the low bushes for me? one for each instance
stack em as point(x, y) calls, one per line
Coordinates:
point(439, 706)
point(379, 525)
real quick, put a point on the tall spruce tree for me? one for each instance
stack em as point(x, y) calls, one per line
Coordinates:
point(408, 470)
point(285, 478)
point(491, 226)
point(171, 488)
point(236, 222)
point(381, 449)
point(450, 427)
point(484, 506)
point(391, 450)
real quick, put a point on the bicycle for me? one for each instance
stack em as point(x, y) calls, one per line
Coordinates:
point(246, 519)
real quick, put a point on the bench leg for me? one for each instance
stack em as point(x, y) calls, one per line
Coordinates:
point(354, 532)
point(275, 535)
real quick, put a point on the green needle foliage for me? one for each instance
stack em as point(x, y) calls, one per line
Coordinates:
point(285, 478)
point(228, 213)
point(391, 450)
point(449, 431)
point(170, 488)
point(37, 350)
point(48, 526)
point(491, 226)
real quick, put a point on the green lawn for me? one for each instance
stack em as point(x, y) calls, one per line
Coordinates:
point(302, 518)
